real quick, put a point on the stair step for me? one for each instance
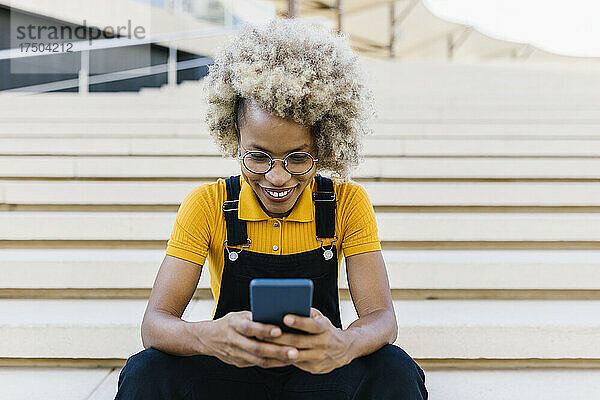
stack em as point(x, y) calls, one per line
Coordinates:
point(516, 385)
point(484, 129)
point(197, 146)
point(23, 383)
point(389, 127)
point(94, 269)
point(392, 226)
point(373, 167)
point(399, 111)
point(442, 329)
point(374, 146)
point(426, 82)
point(394, 193)
point(164, 127)
point(520, 384)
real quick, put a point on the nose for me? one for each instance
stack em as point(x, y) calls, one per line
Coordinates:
point(278, 176)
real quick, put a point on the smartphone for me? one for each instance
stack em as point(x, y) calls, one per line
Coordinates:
point(272, 299)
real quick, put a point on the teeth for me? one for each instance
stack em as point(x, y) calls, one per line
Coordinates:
point(277, 194)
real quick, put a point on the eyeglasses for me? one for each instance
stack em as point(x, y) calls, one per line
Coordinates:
point(295, 163)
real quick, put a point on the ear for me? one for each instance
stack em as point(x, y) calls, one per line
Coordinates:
point(237, 131)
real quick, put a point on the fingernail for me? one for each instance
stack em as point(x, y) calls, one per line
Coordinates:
point(275, 332)
point(290, 320)
point(292, 353)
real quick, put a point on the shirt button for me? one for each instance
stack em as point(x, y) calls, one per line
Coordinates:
point(276, 224)
point(275, 248)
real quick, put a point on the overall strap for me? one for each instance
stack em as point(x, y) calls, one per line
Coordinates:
point(236, 229)
point(325, 205)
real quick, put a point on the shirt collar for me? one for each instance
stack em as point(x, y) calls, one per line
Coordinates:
point(249, 208)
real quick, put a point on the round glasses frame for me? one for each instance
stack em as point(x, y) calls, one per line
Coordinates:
point(283, 160)
point(271, 159)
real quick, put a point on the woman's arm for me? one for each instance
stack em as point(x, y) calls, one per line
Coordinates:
point(329, 347)
point(162, 326)
point(370, 290)
point(231, 338)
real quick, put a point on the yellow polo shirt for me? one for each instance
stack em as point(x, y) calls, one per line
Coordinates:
point(199, 230)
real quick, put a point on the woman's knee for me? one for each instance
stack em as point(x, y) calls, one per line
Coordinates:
point(150, 374)
point(145, 365)
point(390, 373)
point(396, 364)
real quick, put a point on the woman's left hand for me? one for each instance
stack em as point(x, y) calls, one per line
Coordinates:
point(325, 349)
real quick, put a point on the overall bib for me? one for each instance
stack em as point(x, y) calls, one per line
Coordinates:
point(241, 265)
point(386, 374)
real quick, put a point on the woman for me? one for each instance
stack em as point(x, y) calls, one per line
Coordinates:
point(287, 99)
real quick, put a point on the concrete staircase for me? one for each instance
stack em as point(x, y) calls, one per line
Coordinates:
point(485, 186)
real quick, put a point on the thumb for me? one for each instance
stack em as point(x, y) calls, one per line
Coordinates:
point(314, 313)
point(246, 314)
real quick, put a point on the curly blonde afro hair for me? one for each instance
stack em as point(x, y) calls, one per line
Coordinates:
point(295, 70)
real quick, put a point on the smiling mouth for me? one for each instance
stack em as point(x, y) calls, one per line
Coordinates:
point(278, 195)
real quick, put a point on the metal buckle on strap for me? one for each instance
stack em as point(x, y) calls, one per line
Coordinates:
point(331, 196)
point(225, 204)
point(328, 253)
point(232, 254)
point(335, 238)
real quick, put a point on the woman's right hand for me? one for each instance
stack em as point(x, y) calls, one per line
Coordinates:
point(237, 340)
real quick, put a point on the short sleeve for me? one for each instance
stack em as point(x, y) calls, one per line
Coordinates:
point(359, 224)
point(191, 234)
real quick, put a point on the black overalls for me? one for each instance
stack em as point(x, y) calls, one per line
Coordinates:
point(242, 265)
point(388, 373)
